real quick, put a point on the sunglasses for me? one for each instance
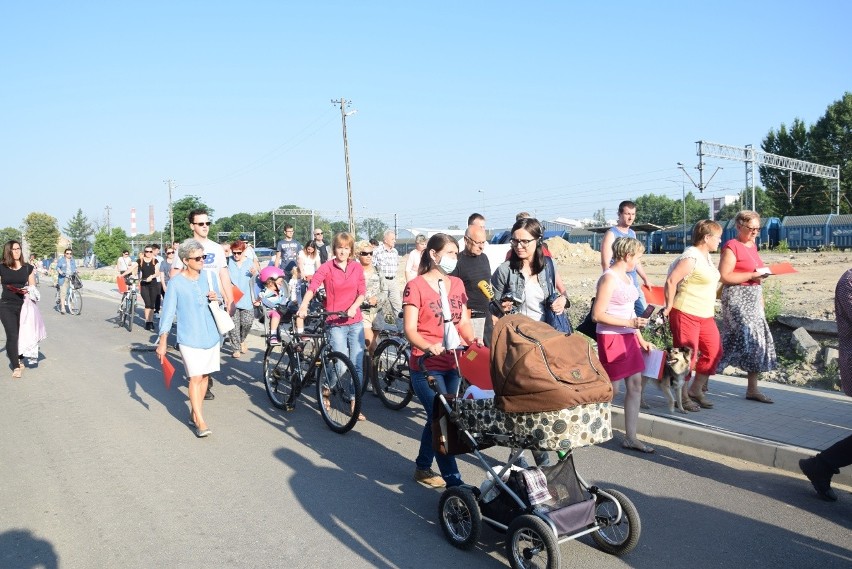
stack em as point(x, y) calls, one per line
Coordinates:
point(366, 253)
point(148, 251)
point(237, 252)
point(196, 259)
point(206, 223)
point(170, 252)
point(318, 233)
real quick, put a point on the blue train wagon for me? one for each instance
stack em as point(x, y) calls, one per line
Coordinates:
point(840, 231)
point(805, 231)
point(672, 238)
point(591, 238)
point(500, 237)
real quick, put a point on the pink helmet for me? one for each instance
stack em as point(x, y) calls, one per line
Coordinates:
point(270, 273)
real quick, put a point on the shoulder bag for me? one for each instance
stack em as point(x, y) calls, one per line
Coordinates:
point(224, 322)
point(559, 321)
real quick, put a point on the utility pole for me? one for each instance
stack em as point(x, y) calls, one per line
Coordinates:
point(171, 184)
point(107, 208)
point(343, 114)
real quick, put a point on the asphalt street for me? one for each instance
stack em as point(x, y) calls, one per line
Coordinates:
point(98, 468)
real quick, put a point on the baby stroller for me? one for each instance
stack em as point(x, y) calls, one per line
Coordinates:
point(537, 508)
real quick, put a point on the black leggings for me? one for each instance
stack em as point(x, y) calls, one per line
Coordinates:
point(10, 315)
point(150, 292)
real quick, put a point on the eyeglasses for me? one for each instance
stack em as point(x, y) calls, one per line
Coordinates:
point(366, 253)
point(480, 243)
point(318, 233)
point(205, 223)
point(750, 228)
point(522, 242)
point(126, 254)
point(66, 254)
point(146, 250)
point(170, 252)
point(237, 252)
point(196, 259)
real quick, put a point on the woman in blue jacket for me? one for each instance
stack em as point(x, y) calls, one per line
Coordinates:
point(187, 298)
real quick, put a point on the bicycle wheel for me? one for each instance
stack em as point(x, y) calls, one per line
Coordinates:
point(75, 302)
point(391, 374)
point(277, 377)
point(338, 392)
point(122, 310)
point(131, 310)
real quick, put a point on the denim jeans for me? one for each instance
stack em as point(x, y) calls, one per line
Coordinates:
point(448, 382)
point(349, 340)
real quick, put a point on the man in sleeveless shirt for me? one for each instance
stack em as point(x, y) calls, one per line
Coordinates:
point(626, 217)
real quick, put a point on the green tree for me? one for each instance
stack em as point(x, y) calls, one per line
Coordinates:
point(371, 227)
point(664, 211)
point(600, 216)
point(9, 233)
point(831, 144)
point(337, 227)
point(180, 213)
point(42, 234)
point(79, 231)
point(765, 205)
point(109, 246)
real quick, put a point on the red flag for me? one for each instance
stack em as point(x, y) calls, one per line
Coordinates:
point(237, 294)
point(655, 295)
point(782, 269)
point(168, 372)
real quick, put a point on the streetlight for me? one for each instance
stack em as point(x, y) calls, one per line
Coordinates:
point(683, 198)
point(481, 201)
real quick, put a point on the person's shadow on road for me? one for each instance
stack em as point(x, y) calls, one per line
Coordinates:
point(22, 550)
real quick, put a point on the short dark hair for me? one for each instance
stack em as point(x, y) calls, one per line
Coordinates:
point(288, 226)
point(475, 217)
point(436, 243)
point(68, 250)
point(624, 204)
point(194, 212)
point(532, 226)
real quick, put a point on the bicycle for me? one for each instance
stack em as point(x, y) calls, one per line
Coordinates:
point(391, 376)
point(307, 358)
point(127, 304)
point(73, 298)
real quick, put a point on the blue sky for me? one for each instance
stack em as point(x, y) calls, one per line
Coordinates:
point(560, 108)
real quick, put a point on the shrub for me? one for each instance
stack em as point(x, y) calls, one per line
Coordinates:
point(771, 302)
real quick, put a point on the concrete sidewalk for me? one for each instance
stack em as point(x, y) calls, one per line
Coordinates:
point(799, 424)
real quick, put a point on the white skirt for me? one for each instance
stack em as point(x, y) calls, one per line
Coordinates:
point(200, 361)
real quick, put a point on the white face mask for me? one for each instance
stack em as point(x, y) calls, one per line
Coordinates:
point(448, 264)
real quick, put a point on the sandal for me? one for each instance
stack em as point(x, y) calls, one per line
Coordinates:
point(702, 401)
point(236, 354)
point(759, 397)
point(361, 416)
point(636, 445)
point(643, 404)
point(16, 373)
point(690, 405)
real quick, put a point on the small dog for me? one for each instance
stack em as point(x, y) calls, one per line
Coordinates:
point(674, 375)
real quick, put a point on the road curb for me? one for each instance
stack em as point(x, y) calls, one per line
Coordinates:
point(753, 449)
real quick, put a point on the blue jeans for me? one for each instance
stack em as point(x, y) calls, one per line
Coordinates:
point(448, 382)
point(349, 340)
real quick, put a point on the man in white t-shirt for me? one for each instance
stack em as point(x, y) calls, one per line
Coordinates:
point(214, 261)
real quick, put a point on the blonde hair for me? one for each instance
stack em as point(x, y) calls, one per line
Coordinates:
point(745, 216)
point(344, 239)
point(704, 228)
point(362, 246)
point(626, 246)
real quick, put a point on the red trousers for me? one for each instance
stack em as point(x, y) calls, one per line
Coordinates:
point(700, 334)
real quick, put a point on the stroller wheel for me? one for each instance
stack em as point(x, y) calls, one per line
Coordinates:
point(460, 517)
point(617, 535)
point(532, 543)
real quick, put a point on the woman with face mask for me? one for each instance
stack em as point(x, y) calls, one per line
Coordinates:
point(423, 321)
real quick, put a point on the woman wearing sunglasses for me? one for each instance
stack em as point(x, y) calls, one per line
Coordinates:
point(746, 339)
point(187, 299)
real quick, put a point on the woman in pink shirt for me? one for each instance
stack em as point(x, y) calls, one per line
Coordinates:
point(620, 343)
point(345, 289)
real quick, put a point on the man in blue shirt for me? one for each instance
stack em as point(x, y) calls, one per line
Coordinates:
point(287, 251)
point(65, 267)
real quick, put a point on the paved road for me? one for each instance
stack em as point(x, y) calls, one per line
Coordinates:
point(99, 469)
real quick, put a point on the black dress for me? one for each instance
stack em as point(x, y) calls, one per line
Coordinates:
point(10, 307)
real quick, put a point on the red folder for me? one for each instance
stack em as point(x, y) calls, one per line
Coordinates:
point(655, 295)
point(782, 269)
point(168, 372)
point(475, 366)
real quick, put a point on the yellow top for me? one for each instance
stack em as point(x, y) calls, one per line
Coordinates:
point(696, 293)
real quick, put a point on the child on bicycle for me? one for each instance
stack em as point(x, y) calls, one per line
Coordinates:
point(270, 297)
point(295, 290)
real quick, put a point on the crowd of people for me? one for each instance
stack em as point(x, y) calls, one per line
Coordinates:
point(443, 303)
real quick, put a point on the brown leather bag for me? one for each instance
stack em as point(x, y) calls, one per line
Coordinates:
point(536, 368)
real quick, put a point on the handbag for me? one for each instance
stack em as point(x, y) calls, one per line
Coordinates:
point(223, 320)
point(588, 326)
point(557, 320)
point(76, 282)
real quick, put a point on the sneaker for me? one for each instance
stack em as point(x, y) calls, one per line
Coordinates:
point(820, 480)
point(429, 478)
point(274, 341)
